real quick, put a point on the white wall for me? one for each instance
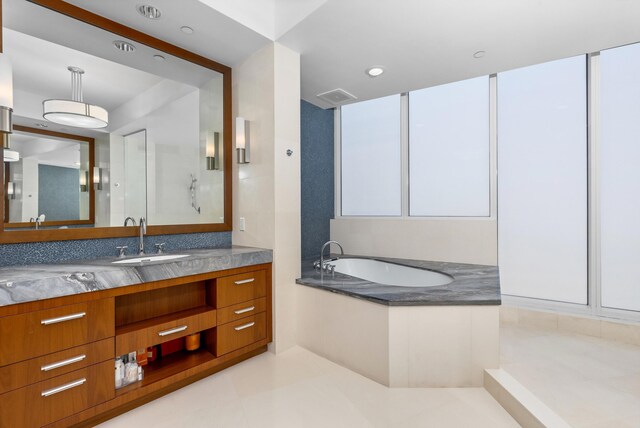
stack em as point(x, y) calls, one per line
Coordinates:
point(267, 191)
point(117, 181)
point(451, 240)
point(29, 189)
point(102, 160)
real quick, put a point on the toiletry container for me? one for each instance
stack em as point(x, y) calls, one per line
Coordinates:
point(119, 372)
point(192, 342)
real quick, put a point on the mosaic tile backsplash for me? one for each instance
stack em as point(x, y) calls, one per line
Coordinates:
point(59, 251)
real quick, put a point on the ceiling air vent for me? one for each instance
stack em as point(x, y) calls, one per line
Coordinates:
point(336, 96)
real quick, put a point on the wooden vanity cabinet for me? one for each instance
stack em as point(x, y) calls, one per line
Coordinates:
point(57, 355)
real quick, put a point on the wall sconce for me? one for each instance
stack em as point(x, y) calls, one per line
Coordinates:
point(6, 95)
point(6, 101)
point(213, 151)
point(97, 178)
point(242, 140)
point(84, 180)
point(11, 189)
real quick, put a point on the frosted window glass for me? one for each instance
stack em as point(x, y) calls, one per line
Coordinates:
point(449, 149)
point(371, 166)
point(542, 181)
point(620, 177)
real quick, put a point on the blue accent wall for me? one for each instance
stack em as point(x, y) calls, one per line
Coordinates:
point(59, 251)
point(316, 170)
point(58, 193)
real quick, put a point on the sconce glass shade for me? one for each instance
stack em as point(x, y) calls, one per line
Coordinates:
point(97, 177)
point(84, 180)
point(6, 94)
point(213, 151)
point(11, 189)
point(11, 156)
point(242, 140)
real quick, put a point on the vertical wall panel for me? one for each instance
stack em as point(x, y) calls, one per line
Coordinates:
point(620, 177)
point(542, 181)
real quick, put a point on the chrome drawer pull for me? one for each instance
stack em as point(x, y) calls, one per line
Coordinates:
point(244, 281)
point(242, 311)
point(63, 363)
point(242, 327)
point(173, 330)
point(64, 387)
point(64, 318)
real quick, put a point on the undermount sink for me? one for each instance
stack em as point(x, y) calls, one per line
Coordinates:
point(152, 258)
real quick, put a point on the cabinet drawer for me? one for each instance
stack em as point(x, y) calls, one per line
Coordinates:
point(243, 332)
point(38, 369)
point(241, 310)
point(57, 398)
point(42, 332)
point(240, 288)
point(163, 329)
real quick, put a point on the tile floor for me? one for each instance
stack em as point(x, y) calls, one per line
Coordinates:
point(589, 382)
point(300, 389)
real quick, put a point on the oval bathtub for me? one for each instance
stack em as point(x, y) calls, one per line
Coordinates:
point(389, 273)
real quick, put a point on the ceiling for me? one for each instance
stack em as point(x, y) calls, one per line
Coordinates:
point(420, 43)
point(105, 83)
point(48, 150)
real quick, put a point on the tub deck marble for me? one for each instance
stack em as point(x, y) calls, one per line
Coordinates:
point(27, 283)
point(472, 285)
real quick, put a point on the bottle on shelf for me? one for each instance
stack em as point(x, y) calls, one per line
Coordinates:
point(131, 369)
point(119, 372)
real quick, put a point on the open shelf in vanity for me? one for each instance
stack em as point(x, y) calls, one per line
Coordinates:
point(229, 311)
point(154, 317)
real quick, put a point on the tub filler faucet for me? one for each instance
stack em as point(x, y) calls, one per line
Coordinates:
point(323, 265)
point(143, 230)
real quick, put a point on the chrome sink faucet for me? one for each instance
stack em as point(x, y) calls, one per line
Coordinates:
point(143, 230)
point(325, 266)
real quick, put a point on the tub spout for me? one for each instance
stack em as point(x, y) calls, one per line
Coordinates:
point(322, 264)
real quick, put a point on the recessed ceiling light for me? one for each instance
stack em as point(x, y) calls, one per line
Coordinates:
point(479, 54)
point(124, 46)
point(41, 125)
point(149, 11)
point(187, 30)
point(158, 58)
point(374, 71)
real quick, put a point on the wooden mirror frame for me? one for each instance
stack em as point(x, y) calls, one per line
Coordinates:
point(91, 18)
point(90, 189)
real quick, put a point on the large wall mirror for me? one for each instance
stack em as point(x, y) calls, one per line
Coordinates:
point(142, 129)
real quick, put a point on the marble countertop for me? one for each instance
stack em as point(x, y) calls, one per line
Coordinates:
point(19, 284)
point(472, 285)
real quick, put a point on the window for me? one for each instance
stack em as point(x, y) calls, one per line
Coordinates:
point(620, 177)
point(542, 181)
point(449, 149)
point(371, 164)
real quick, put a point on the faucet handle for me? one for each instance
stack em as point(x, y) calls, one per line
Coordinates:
point(121, 250)
point(160, 247)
